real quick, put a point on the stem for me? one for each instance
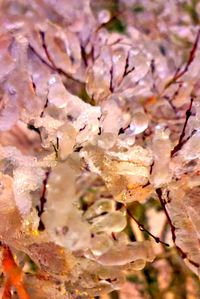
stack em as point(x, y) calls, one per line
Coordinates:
point(181, 141)
point(43, 200)
point(142, 228)
point(173, 229)
point(178, 74)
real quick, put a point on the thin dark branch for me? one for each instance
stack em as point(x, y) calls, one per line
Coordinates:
point(173, 229)
point(42, 35)
point(41, 59)
point(83, 128)
point(53, 64)
point(163, 203)
point(123, 130)
point(177, 91)
point(130, 71)
point(33, 128)
point(56, 147)
point(179, 73)
point(181, 141)
point(153, 66)
point(78, 149)
point(96, 216)
point(126, 69)
point(142, 228)
point(113, 236)
point(45, 106)
point(153, 73)
point(84, 56)
point(43, 200)
point(33, 84)
point(191, 58)
point(54, 67)
point(111, 79)
point(126, 65)
point(170, 101)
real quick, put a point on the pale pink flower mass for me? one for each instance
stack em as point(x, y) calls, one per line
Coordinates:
point(99, 149)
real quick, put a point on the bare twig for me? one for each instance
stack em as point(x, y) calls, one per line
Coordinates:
point(142, 228)
point(49, 61)
point(43, 200)
point(181, 141)
point(126, 68)
point(173, 229)
point(179, 73)
point(111, 79)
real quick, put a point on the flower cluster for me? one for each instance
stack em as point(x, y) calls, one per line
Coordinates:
point(98, 111)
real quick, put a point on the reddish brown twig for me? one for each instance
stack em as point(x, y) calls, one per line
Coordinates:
point(181, 141)
point(40, 208)
point(173, 229)
point(179, 73)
